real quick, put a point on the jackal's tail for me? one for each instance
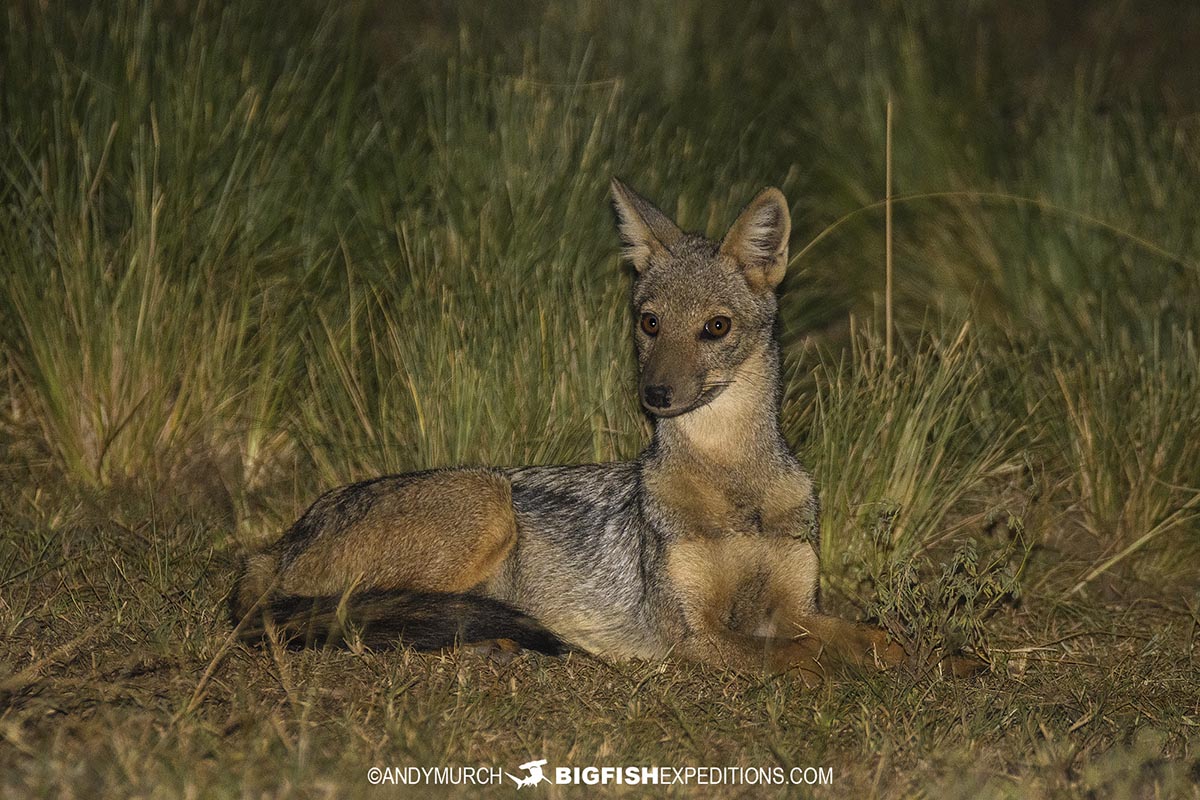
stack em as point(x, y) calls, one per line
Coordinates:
point(382, 619)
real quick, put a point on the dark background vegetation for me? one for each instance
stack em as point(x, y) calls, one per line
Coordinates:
point(250, 253)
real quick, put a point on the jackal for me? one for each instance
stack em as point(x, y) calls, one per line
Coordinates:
point(705, 547)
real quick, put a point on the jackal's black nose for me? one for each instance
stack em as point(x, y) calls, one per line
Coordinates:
point(657, 396)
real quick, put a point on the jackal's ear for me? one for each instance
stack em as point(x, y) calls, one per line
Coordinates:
point(644, 229)
point(758, 240)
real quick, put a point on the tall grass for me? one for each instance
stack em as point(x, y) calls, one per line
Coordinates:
point(284, 248)
point(1127, 424)
point(902, 451)
point(148, 217)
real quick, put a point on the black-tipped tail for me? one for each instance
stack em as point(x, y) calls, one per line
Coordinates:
point(382, 619)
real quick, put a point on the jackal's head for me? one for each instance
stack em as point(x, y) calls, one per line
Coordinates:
point(702, 309)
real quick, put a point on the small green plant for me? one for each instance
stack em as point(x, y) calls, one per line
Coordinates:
point(941, 606)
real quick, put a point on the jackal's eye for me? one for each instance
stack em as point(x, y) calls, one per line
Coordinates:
point(716, 327)
point(650, 324)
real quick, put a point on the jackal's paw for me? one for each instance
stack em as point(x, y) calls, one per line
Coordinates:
point(498, 651)
point(872, 647)
point(885, 654)
point(962, 665)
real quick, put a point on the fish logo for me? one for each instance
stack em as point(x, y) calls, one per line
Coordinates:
point(535, 776)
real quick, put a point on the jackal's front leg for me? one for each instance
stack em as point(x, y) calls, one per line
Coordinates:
point(750, 603)
point(826, 645)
